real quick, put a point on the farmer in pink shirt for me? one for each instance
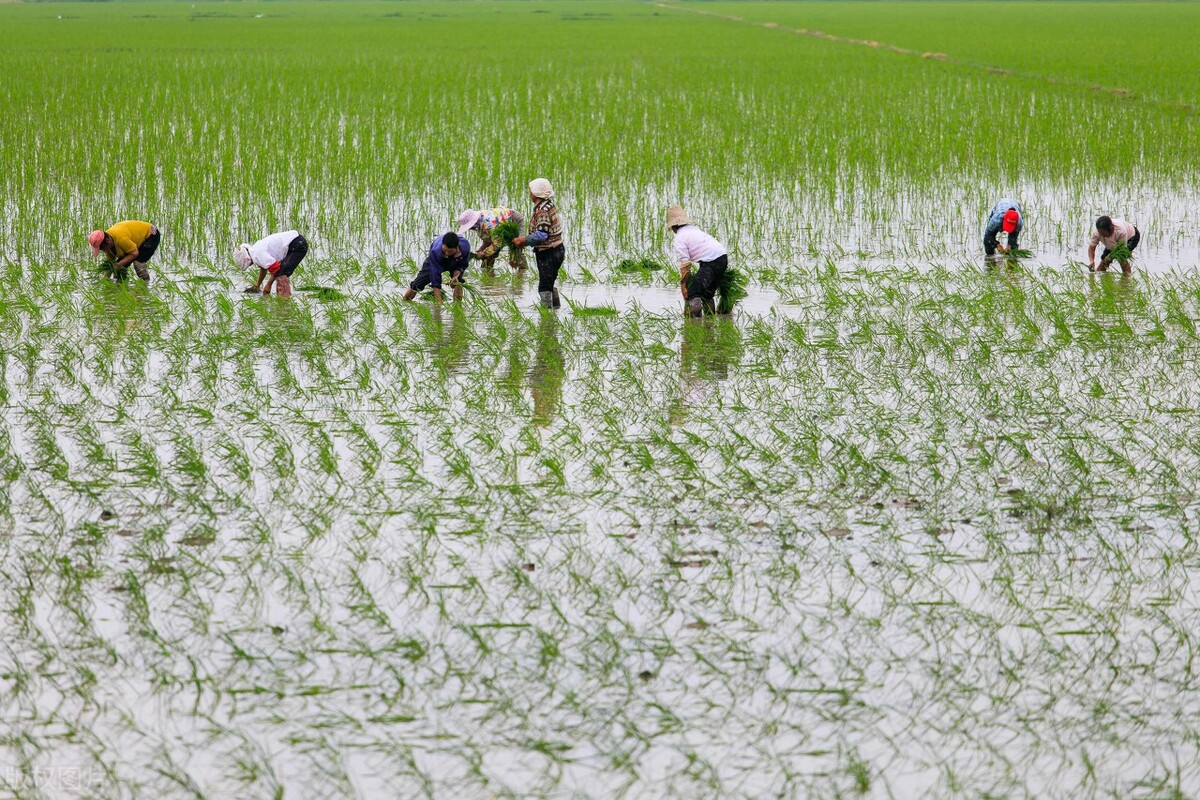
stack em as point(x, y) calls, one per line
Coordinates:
point(695, 247)
point(1119, 238)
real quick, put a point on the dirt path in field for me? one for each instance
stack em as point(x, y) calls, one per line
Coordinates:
point(1113, 91)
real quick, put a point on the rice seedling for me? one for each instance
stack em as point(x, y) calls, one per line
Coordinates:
point(345, 544)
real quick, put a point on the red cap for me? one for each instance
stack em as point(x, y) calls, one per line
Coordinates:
point(1011, 219)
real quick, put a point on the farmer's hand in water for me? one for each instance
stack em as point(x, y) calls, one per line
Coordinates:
point(1003, 248)
point(250, 289)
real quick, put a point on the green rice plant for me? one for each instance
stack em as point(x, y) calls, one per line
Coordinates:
point(285, 527)
point(731, 289)
point(503, 233)
point(323, 292)
point(639, 265)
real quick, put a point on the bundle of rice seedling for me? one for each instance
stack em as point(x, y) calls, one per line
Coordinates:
point(502, 234)
point(112, 271)
point(642, 264)
point(1121, 252)
point(1017, 252)
point(323, 292)
point(731, 289)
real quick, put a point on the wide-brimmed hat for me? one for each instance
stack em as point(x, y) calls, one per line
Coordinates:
point(468, 219)
point(675, 216)
point(95, 239)
point(1012, 218)
point(541, 189)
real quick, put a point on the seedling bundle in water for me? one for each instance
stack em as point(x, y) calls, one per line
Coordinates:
point(731, 289)
point(112, 271)
point(322, 292)
point(643, 264)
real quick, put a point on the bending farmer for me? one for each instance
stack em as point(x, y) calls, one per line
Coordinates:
point(1120, 239)
point(129, 242)
point(276, 255)
point(1005, 216)
point(546, 238)
point(485, 223)
point(448, 253)
point(694, 246)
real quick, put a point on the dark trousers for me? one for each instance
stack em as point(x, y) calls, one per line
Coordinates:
point(297, 250)
point(706, 280)
point(1131, 243)
point(425, 274)
point(549, 262)
point(147, 249)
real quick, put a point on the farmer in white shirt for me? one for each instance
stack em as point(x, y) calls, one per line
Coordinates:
point(695, 247)
point(277, 255)
point(1113, 233)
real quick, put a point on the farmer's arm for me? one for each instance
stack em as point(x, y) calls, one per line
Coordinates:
point(989, 234)
point(270, 283)
point(1092, 243)
point(123, 244)
point(539, 234)
point(262, 273)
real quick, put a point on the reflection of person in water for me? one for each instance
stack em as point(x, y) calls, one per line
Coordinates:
point(547, 374)
point(448, 342)
point(710, 345)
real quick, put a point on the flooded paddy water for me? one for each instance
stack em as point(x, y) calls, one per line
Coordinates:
point(905, 524)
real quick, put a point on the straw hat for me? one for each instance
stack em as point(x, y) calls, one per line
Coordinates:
point(675, 216)
point(541, 189)
point(467, 220)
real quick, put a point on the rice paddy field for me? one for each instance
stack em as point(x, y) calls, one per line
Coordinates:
point(906, 524)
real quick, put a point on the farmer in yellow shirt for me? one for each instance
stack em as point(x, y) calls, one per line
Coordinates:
point(129, 242)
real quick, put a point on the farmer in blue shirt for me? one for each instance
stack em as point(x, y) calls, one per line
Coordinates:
point(1005, 216)
point(448, 253)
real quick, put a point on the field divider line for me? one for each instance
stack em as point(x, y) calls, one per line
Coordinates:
point(873, 44)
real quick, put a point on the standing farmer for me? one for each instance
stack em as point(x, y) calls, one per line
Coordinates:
point(485, 223)
point(276, 255)
point(448, 253)
point(1120, 239)
point(129, 242)
point(1005, 216)
point(546, 237)
point(694, 246)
